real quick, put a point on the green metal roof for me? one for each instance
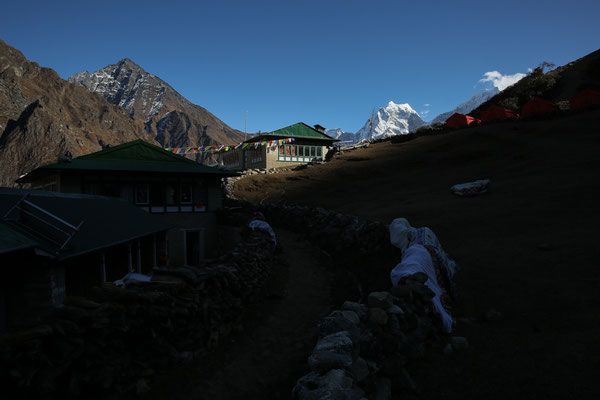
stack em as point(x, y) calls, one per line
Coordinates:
point(13, 240)
point(297, 131)
point(106, 222)
point(135, 156)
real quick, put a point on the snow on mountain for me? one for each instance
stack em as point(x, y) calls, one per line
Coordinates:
point(168, 116)
point(340, 134)
point(391, 120)
point(469, 105)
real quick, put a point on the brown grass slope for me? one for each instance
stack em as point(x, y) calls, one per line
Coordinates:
point(528, 248)
point(43, 116)
point(558, 85)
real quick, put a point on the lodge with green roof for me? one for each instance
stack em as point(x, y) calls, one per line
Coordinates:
point(309, 144)
point(184, 193)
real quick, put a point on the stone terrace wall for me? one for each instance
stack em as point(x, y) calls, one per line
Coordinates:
point(366, 347)
point(115, 342)
point(360, 247)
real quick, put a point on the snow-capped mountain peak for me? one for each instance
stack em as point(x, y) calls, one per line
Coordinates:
point(393, 119)
point(338, 133)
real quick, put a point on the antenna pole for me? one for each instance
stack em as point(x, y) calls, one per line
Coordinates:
point(371, 127)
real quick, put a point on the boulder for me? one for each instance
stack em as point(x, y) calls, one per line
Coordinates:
point(378, 316)
point(381, 300)
point(334, 351)
point(360, 309)
point(360, 369)
point(334, 385)
point(338, 323)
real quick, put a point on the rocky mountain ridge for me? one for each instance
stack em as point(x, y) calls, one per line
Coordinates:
point(340, 134)
point(43, 117)
point(167, 116)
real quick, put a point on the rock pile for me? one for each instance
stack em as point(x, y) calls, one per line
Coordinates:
point(364, 349)
point(228, 183)
point(117, 340)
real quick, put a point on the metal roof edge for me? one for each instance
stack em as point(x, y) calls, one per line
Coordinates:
point(66, 257)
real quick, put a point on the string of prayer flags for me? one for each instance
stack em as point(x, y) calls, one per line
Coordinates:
point(217, 148)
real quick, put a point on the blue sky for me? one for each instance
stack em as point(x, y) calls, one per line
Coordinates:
point(328, 62)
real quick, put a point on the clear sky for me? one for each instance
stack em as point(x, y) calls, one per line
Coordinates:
point(328, 62)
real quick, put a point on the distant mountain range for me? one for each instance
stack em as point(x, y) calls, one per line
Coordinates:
point(400, 119)
point(168, 117)
point(469, 105)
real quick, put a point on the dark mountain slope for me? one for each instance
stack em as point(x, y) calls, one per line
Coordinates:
point(43, 116)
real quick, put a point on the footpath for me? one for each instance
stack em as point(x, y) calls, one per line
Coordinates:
point(266, 357)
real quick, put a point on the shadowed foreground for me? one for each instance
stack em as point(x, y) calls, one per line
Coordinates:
point(527, 249)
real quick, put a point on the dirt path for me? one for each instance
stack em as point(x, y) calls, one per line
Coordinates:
point(265, 360)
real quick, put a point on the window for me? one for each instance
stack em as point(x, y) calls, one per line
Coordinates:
point(170, 194)
point(126, 192)
point(141, 193)
point(255, 155)
point(302, 153)
point(186, 193)
point(231, 158)
point(90, 188)
point(110, 189)
point(200, 197)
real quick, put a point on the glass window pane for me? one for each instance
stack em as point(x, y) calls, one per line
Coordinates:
point(319, 151)
point(293, 150)
point(312, 151)
point(141, 193)
point(157, 195)
point(171, 193)
point(186, 193)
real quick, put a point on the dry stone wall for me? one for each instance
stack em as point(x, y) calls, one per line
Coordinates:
point(365, 348)
point(118, 340)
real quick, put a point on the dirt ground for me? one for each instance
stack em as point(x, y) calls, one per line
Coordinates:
point(528, 249)
point(269, 353)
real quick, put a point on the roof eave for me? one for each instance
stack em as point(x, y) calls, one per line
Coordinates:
point(86, 251)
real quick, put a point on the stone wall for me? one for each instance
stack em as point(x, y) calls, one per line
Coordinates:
point(365, 348)
point(117, 341)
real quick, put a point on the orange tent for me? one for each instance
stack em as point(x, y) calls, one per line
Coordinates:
point(457, 120)
point(496, 112)
point(538, 106)
point(585, 98)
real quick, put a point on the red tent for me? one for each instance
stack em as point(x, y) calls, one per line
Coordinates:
point(538, 106)
point(457, 120)
point(496, 112)
point(585, 98)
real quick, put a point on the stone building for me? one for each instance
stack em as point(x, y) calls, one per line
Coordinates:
point(57, 244)
point(270, 150)
point(184, 193)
